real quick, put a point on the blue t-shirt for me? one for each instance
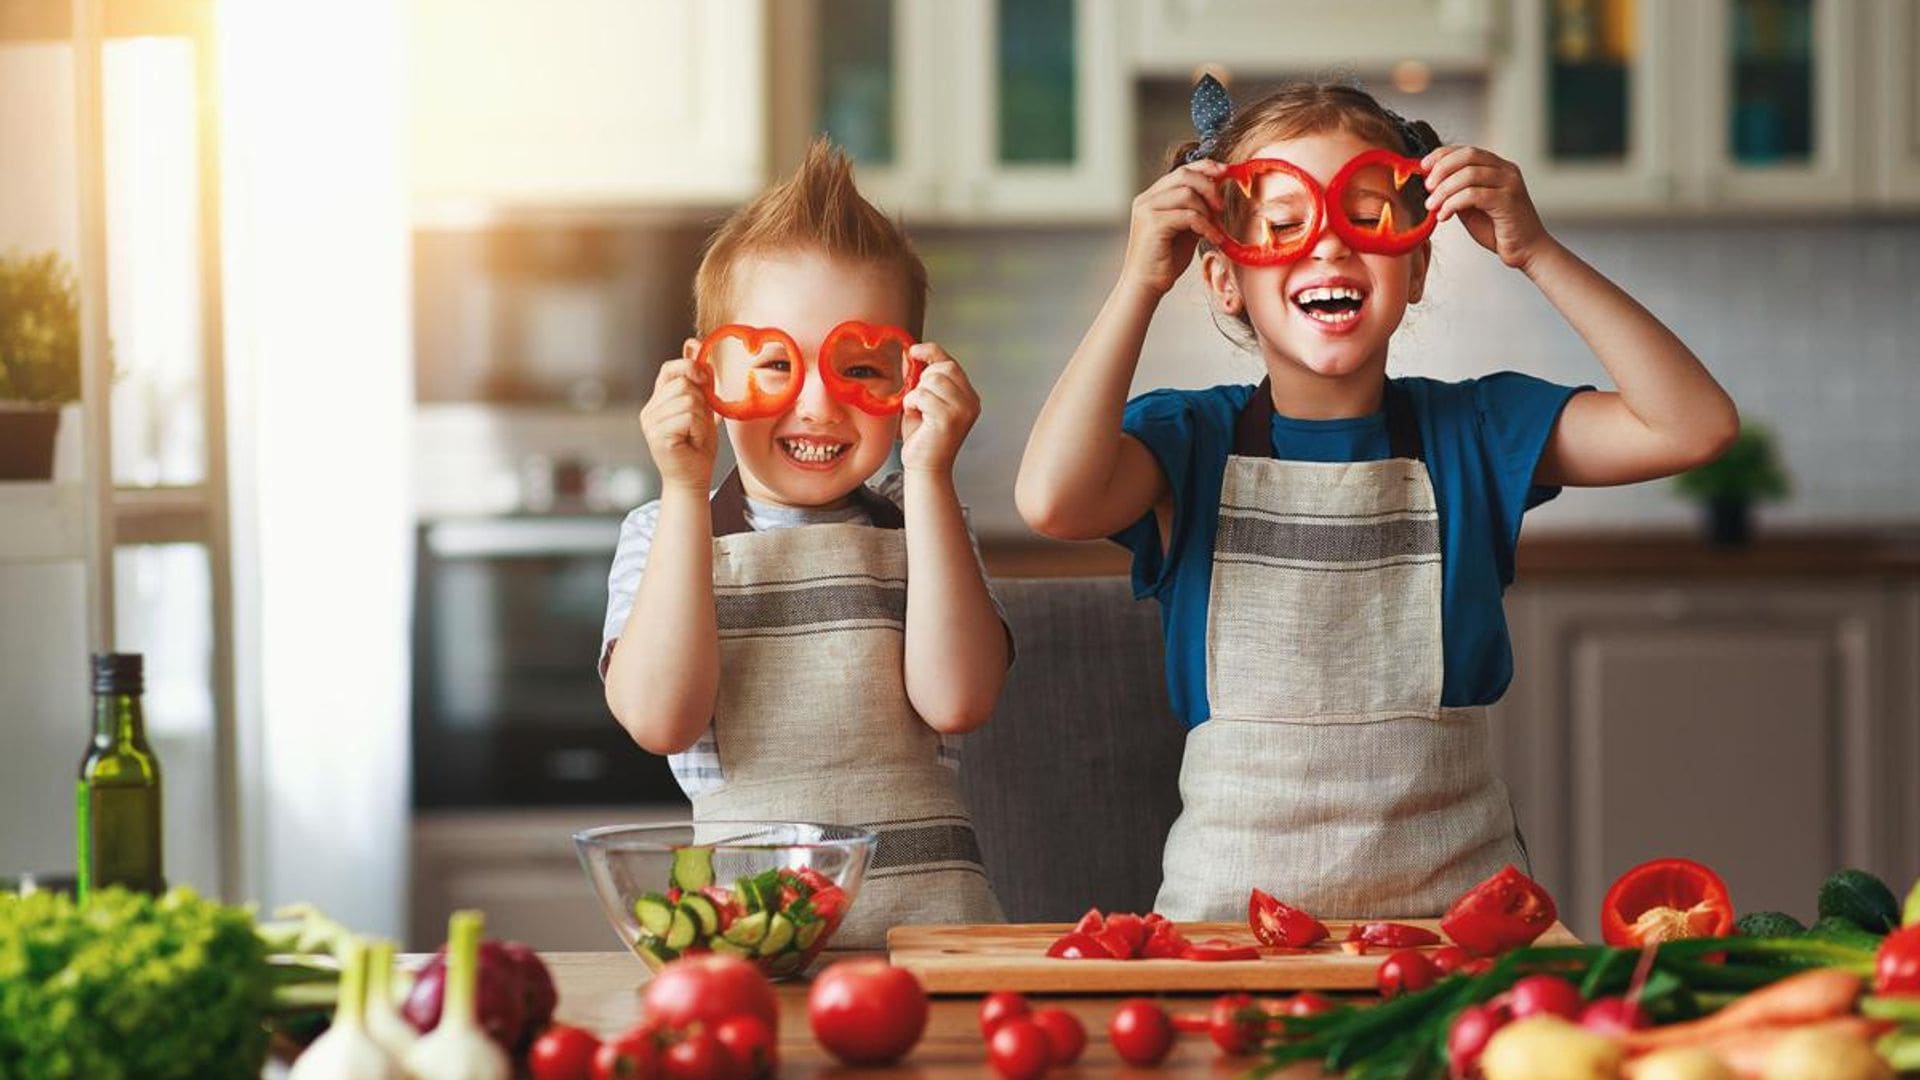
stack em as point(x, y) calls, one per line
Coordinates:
point(1483, 438)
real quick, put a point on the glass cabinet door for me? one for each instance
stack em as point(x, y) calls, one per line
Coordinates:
point(1779, 102)
point(1584, 105)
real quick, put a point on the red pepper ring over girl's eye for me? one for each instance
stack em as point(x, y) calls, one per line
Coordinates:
point(742, 394)
point(860, 344)
point(1387, 222)
point(1254, 238)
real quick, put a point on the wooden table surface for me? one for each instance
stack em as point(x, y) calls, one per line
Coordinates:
point(601, 992)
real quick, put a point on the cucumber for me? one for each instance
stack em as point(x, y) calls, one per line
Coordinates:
point(693, 868)
point(748, 930)
point(722, 945)
point(1768, 924)
point(779, 935)
point(1845, 932)
point(786, 963)
point(1861, 899)
point(654, 953)
point(808, 933)
point(748, 890)
point(654, 913)
point(704, 912)
point(682, 930)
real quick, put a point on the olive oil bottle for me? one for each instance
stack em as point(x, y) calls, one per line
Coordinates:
point(117, 797)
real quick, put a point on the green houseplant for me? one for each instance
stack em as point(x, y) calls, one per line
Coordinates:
point(1748, 472)
point(39, 359)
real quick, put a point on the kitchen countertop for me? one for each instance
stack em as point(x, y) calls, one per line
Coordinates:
point(600, 991)
point(1550, 555)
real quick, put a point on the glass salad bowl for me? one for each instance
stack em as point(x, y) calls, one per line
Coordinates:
point(769, 891)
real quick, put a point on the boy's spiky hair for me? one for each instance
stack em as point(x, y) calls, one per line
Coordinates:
point(817, 208)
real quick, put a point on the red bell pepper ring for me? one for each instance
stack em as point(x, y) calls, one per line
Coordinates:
point(1665, 900)
point(1246, 175)
point(1217, 949)
point(870, 337)
point(1391, 935)
point(1275, 923)
point(1077, 946)
point(758, 404)
point(1506, 911)
point(1384, 236)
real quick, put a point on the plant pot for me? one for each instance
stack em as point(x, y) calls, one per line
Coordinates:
point(26, 440)
point(1730, 522)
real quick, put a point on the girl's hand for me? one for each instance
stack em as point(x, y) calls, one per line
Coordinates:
point(679, 423)
point(1486, 193)
point(937, 413)
point(1169, 218)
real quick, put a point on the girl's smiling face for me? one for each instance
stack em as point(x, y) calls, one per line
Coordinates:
point(818, 451)
point(1331, 312)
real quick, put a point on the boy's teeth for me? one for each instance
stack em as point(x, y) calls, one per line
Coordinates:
point(812, 451)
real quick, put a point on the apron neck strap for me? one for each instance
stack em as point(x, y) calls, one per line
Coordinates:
point(1253, 432)
point(728, 507)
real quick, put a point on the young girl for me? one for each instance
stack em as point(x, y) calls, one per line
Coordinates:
point(1329, 547)
point(769, 638)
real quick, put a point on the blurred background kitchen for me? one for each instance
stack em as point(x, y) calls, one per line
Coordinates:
point(385, 285)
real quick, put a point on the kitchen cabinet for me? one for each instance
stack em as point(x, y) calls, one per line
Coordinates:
point(1894, 66)
point(1714, 107)
point(1765, 727)
point(1172, 37)
point(961, 111)
point(585, 102)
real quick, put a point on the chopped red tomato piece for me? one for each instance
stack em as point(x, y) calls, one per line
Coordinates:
point(1275, 923)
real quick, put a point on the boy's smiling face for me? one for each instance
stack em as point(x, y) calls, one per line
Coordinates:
point(818, 451)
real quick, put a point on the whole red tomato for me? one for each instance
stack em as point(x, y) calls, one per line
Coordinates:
point(697, 1056)
point(1406, 971)
point(1018, 1049)
point(709, 989)
point(867, 1012)
point(749, 1045)
point(1065, 1034)
point(1896, 967)
point(999, 1007)
point(1549, 994)
point(1141, 1032)
point(1230, 1031)
point(634, 1054)
point(1307, 1003)
point(563, 1053)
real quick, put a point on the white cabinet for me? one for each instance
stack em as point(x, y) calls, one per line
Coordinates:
point(586, 102)
point(1173, 37)
point(1894, 67)
point(1707, 107)
point(961, 110)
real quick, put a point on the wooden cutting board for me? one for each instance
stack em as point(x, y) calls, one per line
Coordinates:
point(951, 959)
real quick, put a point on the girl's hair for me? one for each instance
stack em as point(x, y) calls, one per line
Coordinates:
point(818, 208)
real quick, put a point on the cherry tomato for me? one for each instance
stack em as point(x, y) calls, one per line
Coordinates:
point(634, 1054)
point(1896, 967)
point(749, 1045)
point(867, 1012)
point(1066, 1035)
point(1406, 971)
point(999, 1007)
point(1548, 994)
point(709, 989)
point(1018, 1049)
point(563, 1053)
point(1307, 1003)
point(1449, 958)
point(1141, 1032)
point(697, 1056)
point(1230, 1030)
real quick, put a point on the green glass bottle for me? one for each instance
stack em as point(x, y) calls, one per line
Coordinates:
point(117, 798)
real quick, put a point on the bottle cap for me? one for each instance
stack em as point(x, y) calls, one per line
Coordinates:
point(118, 673)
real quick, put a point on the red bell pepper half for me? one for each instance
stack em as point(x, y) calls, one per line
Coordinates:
point(1506, 911)
point(1277, 924)
point(1665, 900)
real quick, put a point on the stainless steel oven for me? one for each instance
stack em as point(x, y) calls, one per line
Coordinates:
point(507, 708)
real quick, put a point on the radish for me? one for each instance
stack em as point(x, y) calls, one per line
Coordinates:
point(458, 1048)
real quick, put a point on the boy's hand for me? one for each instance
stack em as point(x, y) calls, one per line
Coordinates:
point(936, 414)
point(679, 424)
point(1489, 197)
point(1169, 218)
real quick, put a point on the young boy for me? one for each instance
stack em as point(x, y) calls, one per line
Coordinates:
point(768, 638)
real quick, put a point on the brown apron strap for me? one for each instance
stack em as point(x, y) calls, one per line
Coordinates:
point(1253, 432)
point(729, 507)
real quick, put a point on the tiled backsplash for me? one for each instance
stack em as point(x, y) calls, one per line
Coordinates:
point(1814, 328)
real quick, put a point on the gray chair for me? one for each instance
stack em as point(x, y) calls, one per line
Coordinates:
point(1075, 781)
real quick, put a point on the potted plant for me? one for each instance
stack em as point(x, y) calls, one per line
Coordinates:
point(1749, 471)
point(39, 359)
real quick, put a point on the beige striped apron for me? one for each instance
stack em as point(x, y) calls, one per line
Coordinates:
point(1328, 773)
point(812, 721)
